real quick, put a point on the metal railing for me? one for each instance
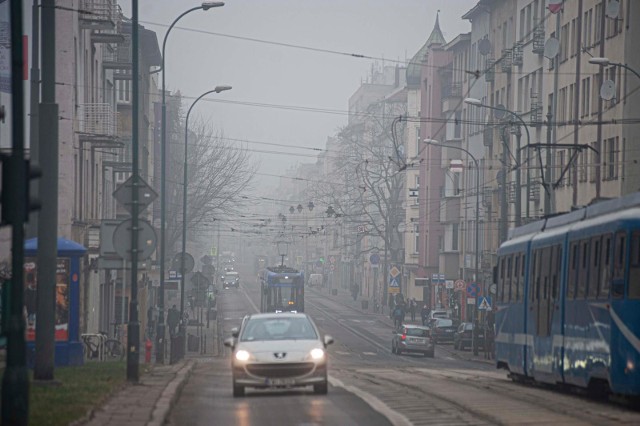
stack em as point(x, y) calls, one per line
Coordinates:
point(97, 119)
point(99, 13)
point(119, 54)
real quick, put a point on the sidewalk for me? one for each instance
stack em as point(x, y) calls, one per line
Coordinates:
point(344, 297)
point(150, 401)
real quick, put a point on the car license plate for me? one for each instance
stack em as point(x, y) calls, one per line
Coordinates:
point(280, 382)
point(417, 341)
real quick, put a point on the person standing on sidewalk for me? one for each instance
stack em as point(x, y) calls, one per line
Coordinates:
point(425, 314)
point(173, 318)
point(412, 308)
point(398, 316)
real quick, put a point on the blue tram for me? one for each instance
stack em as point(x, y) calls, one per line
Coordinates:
point(568, 299)
point(282, 290)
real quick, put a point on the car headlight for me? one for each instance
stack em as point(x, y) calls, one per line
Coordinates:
point(317, 353)
point(242, 355)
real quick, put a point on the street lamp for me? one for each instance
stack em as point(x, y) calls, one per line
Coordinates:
point(477, 230)
point(163, 182)
point(478, 103)
point(185, 186)
point(603, 62)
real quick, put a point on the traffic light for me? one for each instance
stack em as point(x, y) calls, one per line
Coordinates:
point(9, 194)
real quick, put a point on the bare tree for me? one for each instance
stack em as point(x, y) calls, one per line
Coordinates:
point(219, 171)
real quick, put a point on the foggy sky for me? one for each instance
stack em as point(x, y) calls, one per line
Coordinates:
point(272, 74)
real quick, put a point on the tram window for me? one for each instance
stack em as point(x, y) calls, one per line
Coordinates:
point(573, 271)
point(533, 276)
point(516, 278)
point(521, 281)
point(634, 269)
point(605, 269)
point(594, 271)
point(556, 261)
point(500, 281)
point(583, 270)
point(508, 283)
point(619, 255)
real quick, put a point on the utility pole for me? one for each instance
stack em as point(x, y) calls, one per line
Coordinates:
point(504, 202)
point(34, 148)
point(133, 328)
point(600, 102)
point(552, 138)
point(48, 220)
point(15, 384)
point(546, 178)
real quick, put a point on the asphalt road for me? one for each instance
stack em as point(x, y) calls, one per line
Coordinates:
point(372, 386)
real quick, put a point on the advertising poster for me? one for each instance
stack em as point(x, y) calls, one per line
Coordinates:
point(61, 302)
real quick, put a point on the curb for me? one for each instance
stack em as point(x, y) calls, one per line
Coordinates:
point(170, 394)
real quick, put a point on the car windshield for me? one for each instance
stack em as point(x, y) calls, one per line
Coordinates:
point(444, 323)
point(278, 329)
point(468, 326)
point(417, 332)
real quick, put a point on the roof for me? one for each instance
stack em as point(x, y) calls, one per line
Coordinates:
point(414, 69)
point(65, 247)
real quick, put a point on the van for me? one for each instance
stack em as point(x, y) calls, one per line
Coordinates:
point(315, 280)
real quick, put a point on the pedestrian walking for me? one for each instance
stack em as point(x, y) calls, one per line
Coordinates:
point(391, 307)
point(173, 318)
point(398, 316)
point(424, 312)
point(412, 308)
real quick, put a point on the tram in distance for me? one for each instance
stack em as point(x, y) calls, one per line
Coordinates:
point(568, 299)
point(281, 290)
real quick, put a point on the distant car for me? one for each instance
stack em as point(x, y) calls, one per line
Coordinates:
point(437, 314)
point(412, 339)
point(231, 279)
point(463, 336)
point(278, 351)
point(443, 330)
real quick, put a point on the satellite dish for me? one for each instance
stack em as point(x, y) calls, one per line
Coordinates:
point(613, 9)
point(484, 46)
point(551, 48)
point(500, 111)
point(608, 90)
point(402, 227)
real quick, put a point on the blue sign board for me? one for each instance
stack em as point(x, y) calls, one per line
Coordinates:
point(484, 303)
point(437, 278)
point(473, 290)
point(374, 258)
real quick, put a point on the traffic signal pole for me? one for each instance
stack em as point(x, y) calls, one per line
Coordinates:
point(15, 384)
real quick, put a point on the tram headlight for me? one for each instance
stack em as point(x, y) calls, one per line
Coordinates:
point(243, 355)
point(317, 354)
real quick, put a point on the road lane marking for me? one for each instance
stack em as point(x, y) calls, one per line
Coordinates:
point(342, 352)
point(396, 418)
point(253, 305)
point(369, 353)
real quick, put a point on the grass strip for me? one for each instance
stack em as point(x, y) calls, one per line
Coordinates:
point(81, 388)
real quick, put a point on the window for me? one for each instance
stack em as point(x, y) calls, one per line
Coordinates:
point(416, 238)
point(516, 278)
point(454, 236)
point(633, 291)
point(593, 154)
point(594, 268)
point(573, 270)
point(560, 168)
point(520, 290)
point(610, 159)
point(508, 281)
point(586, 97)
point(619, 256)
point(416, 182)
point(596, 24)
point(605, 267)
point(582, 166)
point(583, 270)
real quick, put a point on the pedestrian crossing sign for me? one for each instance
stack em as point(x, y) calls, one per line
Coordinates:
point(394, 283)
point(484, 303)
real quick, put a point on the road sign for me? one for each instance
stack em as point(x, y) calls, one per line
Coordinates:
point(174, 275)
point(473, 289)
point(332, 268)
point(146, 239)
point(437, 278)
point(449, 284)
point(471, 300)
point(374, 258)
point(146, 194)
point(459, 285)
point(413, 192)
point(456, 166)
point(484, 303)
point(493, 288)
point(394, 272)
point(394, 286)
point(189, 263)
point(394, 283)
point(332, 259)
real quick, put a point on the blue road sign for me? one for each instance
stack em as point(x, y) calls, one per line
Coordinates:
point(374, 258)
point(484, 303)
point(473, 289)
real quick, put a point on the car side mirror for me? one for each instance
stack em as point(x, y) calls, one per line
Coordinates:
point(235, 331)
point(328, 340)
point(229, 342)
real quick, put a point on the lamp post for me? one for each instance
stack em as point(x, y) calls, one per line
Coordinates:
point(474, 342)
point(478, 103)
point(185, 186)
point(292, 209)
point(163, 182)
point(603, 62)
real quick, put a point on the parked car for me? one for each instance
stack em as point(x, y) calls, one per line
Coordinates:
point(463, 336)
point(443, 330)
point(278, 351)
point(412, 339)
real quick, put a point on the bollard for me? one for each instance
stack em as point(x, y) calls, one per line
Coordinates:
point(147, 351)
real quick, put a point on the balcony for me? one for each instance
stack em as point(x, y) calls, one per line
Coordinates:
point(518, 57)
point(487, 135)
point(117, 56)
point(98, 14)
point(507, 60)
point(97, 122)
point(538, 39)
point(489, 66)
point(451, 96)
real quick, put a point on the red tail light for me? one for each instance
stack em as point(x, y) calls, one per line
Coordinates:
point(403, 337)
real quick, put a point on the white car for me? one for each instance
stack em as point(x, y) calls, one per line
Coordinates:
point(278, 351)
